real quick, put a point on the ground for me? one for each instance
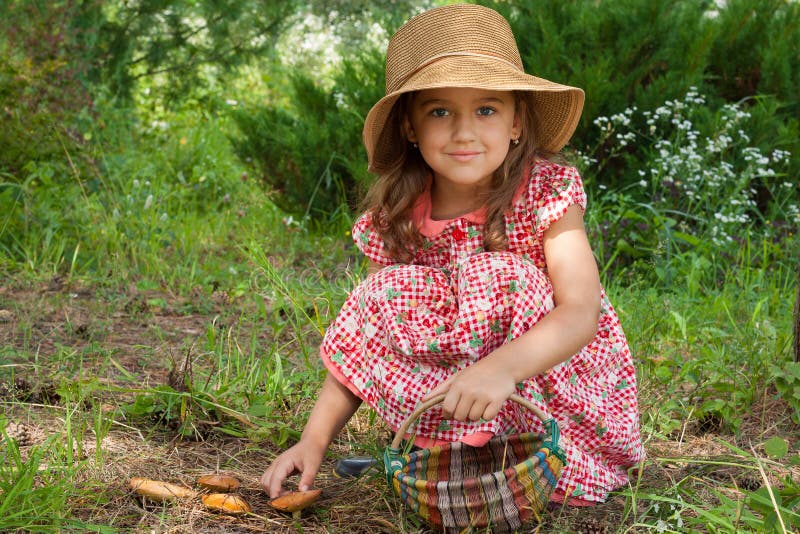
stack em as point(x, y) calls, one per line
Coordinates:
point(124, 340)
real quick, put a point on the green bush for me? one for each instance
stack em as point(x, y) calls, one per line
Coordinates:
point(43, 95)
point(641, 53)
point(165, 193)
point(45, 103)
point(632, 54)
point(702, 186)
point(310, 152)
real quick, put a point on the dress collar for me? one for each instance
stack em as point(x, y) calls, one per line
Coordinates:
point(432, 227)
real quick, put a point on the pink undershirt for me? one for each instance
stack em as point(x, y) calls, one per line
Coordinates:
point(432, 227)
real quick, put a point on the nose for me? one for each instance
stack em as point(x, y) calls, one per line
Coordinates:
point(463, 128)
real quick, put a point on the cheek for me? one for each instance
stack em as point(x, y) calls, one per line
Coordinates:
point(501, 134)
point(431, 133)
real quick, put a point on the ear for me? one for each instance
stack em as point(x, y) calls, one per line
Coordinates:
point(408, 130)
point(516, 126)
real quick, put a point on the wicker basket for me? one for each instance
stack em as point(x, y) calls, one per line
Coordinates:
point(455, 486)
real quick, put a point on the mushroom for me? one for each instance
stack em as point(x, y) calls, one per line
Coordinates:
point(226, 502)
point(295, 502)
point(160, 491)
point(222, 483)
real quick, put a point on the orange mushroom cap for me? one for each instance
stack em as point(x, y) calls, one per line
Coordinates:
point(295, 501)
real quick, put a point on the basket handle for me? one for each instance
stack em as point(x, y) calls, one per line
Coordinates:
point(425, 406)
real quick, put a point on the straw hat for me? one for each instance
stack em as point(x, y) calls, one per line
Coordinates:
point(465, 45)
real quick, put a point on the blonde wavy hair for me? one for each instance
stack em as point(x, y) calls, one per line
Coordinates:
point(390, 200)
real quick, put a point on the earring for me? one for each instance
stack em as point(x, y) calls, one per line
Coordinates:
point(415, 145)
point(515, 141)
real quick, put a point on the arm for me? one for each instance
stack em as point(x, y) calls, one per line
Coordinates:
point(481, 389)
point(334, 407)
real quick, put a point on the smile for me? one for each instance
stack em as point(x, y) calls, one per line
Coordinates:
point(464, 155)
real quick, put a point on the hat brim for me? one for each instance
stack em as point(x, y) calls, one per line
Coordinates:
point(557, 108)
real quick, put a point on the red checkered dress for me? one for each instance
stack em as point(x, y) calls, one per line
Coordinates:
point(408, 327)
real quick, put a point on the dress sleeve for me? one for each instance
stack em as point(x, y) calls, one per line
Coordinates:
point(369, 241)
point(553, 188)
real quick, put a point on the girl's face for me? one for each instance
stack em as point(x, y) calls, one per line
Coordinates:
point(463, 134)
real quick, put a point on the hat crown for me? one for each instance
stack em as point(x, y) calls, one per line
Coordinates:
point(445, 31)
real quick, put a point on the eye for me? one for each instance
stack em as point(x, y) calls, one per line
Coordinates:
point(485, 111)
point(439, 112)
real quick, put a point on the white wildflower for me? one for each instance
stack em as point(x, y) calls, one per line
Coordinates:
point(780, 155)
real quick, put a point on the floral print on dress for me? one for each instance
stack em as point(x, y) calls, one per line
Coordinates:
point(408, 327)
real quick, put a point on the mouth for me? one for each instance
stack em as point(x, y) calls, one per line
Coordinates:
point(464, 155)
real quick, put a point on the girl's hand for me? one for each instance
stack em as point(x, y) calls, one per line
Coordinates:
point(304, 458)
point(334, 407)
point(477, 392)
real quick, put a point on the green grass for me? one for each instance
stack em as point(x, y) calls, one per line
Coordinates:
point(707, 358)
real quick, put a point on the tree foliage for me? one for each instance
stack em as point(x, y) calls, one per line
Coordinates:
point(44, 51)
point(115, 43)
point(632, 52)
point(310, 154)
point(179, 39)
point(624, 54)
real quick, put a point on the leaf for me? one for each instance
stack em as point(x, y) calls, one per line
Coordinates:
point(761, 502)
point(688, 238)
point(776, 447)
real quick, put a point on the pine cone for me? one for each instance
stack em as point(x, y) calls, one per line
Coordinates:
point(221, 298)
point(19, 433)
point(749, 482)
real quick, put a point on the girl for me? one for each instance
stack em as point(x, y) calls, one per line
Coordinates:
point(482, 282)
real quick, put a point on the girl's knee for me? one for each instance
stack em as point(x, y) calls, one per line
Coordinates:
point(407, 280)
point(496, 265)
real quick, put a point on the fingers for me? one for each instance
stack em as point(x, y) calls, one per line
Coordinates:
point(265, 478)
point(463, 407)
point(477, 410)
point(491, 411)
point(438, 390)
point(466, 406)
point(273, 478)
point(295, 460)
point(308, 476)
